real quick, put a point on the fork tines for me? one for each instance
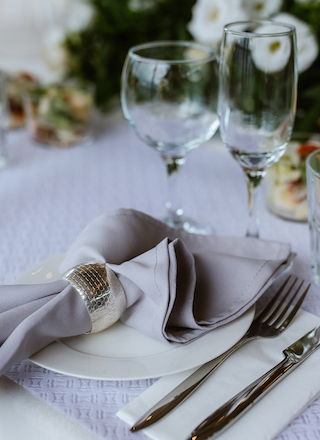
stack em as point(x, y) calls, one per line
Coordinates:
point(279, 312)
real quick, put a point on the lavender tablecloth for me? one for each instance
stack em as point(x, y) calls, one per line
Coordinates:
point(48, 195)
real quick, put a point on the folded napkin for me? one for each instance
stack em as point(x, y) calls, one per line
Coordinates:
point(168, 284)
point(266, 419)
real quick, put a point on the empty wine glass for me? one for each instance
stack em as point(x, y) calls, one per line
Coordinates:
point(169, 94)
point(3, 118)
point(257, 98)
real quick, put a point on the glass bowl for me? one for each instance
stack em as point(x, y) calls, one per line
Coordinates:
point(59, 114)
point(18, 83)
point(287, 188)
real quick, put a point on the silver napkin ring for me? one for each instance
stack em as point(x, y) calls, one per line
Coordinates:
point(101, 292)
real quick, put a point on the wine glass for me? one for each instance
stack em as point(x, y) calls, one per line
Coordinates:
point(3, 118)
point(257, 98)
point(169, 93)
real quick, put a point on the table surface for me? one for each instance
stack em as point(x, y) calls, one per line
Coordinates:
point(48, 195)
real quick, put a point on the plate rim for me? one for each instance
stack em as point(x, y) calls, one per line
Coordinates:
point(47, 357)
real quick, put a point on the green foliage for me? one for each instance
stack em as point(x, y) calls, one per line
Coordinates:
point(308, 109)
point(97, 53)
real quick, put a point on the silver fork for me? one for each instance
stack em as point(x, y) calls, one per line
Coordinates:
point(270, 322)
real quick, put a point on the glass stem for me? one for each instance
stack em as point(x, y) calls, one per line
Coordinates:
point(3, 146)
point(254, 179)
point(174, 210)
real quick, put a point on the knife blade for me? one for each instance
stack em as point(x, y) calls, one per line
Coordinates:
point(230, 412)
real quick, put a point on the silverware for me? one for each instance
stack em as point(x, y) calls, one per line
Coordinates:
point(228, 413)
point(271, 321)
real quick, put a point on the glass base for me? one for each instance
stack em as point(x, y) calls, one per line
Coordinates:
point(3, 161)
point(315, 278)
point(189, 225)
point(84, 141)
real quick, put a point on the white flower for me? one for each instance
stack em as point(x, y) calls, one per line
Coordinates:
point(271, 54)
point(54, 53)
point(307, 43)
point(74, 15)
point(60, 5)
point(261, 8)
point(210, 16)
point(79, 15)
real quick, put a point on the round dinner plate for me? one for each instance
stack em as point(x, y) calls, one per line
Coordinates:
point(121, 352)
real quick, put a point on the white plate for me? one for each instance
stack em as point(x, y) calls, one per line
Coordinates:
point(122, 353)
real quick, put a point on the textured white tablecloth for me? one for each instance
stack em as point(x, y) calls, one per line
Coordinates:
point(47, 196)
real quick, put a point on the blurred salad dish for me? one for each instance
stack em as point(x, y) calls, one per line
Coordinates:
point(59, 114)
point(287, 196)
point(18, 83)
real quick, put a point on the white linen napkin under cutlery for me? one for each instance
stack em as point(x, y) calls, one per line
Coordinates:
point(266, 419)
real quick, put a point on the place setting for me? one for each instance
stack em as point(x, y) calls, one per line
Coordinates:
point(146, 288)
point(218, 329)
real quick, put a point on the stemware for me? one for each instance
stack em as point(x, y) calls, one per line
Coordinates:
point(257, 99)
point(169, 93)
point(3, 119)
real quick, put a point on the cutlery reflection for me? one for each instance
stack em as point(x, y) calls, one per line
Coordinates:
point(270, 322)
point(228, 413)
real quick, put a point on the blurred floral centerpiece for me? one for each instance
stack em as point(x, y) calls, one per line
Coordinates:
point(92, 42)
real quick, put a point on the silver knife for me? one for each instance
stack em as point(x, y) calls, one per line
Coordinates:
point(228, 413)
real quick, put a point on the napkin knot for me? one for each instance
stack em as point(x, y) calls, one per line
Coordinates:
point(101, 292)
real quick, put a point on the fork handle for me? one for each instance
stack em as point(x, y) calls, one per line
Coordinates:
point(229, 412)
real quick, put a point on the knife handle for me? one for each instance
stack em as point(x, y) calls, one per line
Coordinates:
point(229, 412)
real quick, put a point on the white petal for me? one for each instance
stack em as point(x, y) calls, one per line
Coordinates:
point(54, 53)
point(307, 42)
point(261, 8)
point(79, 15)
point(308, 50)
point(301, 26)
point(210, 16)
point(271, 54)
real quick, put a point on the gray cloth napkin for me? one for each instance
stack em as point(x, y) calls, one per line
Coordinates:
point(178, 285)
